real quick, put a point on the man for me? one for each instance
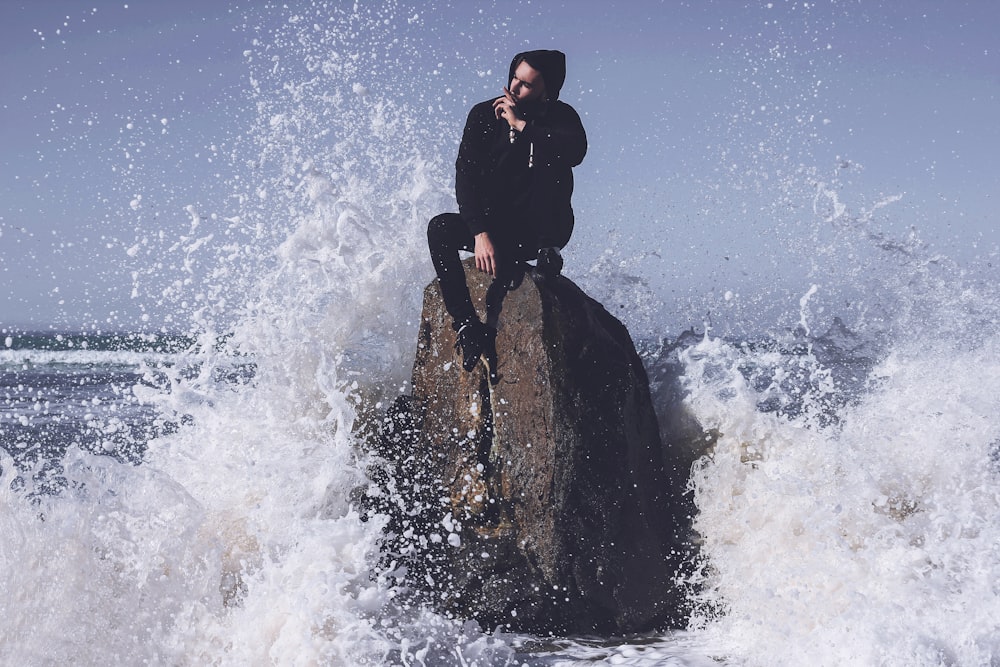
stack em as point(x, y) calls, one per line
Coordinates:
point(513, 182)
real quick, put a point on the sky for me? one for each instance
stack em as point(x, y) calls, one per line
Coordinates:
point(726, 137)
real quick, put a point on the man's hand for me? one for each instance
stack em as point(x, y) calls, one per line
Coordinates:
point(486, 260)
point(505, 107)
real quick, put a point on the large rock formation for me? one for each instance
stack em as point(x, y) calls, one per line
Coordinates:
point(545, 502)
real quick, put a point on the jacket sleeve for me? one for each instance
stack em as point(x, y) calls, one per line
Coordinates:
point(472, 170)
point(558, 137)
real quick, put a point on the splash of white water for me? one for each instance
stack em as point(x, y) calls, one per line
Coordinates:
point(871, 541)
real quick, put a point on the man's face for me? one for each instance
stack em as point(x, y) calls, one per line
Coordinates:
point(527, 84)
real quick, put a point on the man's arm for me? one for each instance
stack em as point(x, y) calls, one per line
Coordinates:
point(559, 134)
point(472, 169)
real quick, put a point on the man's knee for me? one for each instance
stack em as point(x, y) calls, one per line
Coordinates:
point(438, 226)
point(447, 230)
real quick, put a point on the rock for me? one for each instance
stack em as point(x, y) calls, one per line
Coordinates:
point(545, 502)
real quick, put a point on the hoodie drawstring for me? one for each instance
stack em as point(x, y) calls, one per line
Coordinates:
point(531, 148)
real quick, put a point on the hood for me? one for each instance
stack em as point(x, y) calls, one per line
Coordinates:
point(552, 65)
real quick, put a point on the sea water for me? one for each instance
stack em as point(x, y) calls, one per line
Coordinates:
point(188, 497)
point(847, 510)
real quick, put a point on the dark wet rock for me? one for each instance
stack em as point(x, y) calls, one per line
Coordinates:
point(546, 502)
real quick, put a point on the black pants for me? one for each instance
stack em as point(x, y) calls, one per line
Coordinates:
point(447, 234)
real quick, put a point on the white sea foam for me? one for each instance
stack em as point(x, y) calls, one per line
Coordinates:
point(870, 541)
point(81, 358)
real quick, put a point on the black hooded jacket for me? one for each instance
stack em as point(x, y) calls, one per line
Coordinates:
point(519, 191)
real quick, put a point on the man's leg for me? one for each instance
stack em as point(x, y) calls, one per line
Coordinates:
point(509, 277)
point(447, 234)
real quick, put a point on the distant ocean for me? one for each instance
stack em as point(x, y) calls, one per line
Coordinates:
point(59, 390)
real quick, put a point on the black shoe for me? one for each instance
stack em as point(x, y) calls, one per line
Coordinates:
point(550, 262)
point(474, 338)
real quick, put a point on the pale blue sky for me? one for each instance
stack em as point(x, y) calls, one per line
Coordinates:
point(707, 122)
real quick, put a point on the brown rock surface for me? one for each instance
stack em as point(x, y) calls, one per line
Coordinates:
point(545, 502)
